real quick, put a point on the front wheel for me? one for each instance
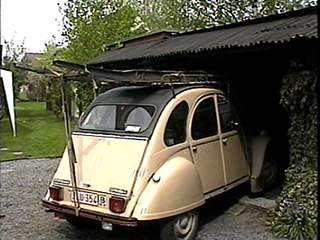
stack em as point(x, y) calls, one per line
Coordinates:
point(181, 227)
point(269, 173)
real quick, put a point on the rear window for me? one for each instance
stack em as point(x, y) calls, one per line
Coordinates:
point(125, 118)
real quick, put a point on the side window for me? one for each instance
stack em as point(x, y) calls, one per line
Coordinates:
point(175, 131)
point(204, 122)
point(228, 118)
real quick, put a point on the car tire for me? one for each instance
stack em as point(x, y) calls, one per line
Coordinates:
point(270, 173)
point(181, 227)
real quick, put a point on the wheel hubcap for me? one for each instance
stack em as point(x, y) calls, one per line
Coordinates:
point(184, 225)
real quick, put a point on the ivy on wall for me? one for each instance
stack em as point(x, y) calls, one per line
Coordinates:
point(295, 215)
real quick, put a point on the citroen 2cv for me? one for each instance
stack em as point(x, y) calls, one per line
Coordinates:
point(147, 153)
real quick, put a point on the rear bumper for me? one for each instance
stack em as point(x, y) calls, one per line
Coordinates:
point(131, 222)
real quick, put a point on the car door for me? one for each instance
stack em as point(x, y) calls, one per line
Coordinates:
point(205, 144)
point(236, 166)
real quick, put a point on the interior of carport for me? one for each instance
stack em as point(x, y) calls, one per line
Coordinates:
point(254, 75)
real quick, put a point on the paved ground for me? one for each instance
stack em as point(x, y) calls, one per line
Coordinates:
point(24, 182)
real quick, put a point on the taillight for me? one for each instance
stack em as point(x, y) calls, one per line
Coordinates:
point(56, 193)
point(117, 205)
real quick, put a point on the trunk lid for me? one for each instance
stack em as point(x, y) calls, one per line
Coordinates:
point(107, 164)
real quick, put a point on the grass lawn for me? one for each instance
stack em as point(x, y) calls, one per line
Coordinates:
point(39, 133)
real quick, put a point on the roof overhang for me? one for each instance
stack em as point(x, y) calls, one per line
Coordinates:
point(275, 29)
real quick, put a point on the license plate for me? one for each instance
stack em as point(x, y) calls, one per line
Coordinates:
point(86, 198)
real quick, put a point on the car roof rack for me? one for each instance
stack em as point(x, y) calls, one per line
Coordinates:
point(100, 75)
point(144, 76)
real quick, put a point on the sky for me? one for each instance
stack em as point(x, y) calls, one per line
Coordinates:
point(34, 21)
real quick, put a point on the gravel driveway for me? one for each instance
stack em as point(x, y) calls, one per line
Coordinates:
point(24, 182)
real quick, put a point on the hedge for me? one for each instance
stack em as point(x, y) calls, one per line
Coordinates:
point(295, 215)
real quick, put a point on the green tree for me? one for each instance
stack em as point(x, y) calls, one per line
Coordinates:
point(90, 25)
point(228, 11)
point(186, 15)
point(53, 94)
point(179, 15)
point(14, 53)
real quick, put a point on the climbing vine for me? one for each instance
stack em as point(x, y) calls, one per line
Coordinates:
point(295, 215)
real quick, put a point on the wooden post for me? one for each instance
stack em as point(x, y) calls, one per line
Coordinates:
point(70, 147)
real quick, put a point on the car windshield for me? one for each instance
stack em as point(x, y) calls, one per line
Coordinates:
point(125, 118)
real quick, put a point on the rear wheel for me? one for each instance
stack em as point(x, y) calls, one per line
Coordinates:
point(269, 173)
point(182, 227)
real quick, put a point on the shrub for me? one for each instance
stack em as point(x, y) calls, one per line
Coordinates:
point(295, 214)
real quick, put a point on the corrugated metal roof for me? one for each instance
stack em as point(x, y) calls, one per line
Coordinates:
point(272, 29)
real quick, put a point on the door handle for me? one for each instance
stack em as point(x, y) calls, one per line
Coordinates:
point(194, 149)
point(224, 141)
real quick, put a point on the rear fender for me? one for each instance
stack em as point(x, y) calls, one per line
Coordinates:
point(175, 188)
point(259, 149)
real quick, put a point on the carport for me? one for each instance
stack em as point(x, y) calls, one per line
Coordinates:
point(252, 56)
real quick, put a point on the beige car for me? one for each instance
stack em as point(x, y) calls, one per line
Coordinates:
point(146, 153)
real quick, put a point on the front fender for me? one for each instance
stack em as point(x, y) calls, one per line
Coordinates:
point(259, 148)
point(177, 190)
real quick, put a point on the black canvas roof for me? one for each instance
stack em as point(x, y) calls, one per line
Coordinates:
point(157, 96)
point(275, 29)
point(146, 95)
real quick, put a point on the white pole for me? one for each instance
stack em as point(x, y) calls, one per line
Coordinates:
point(8, 89)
